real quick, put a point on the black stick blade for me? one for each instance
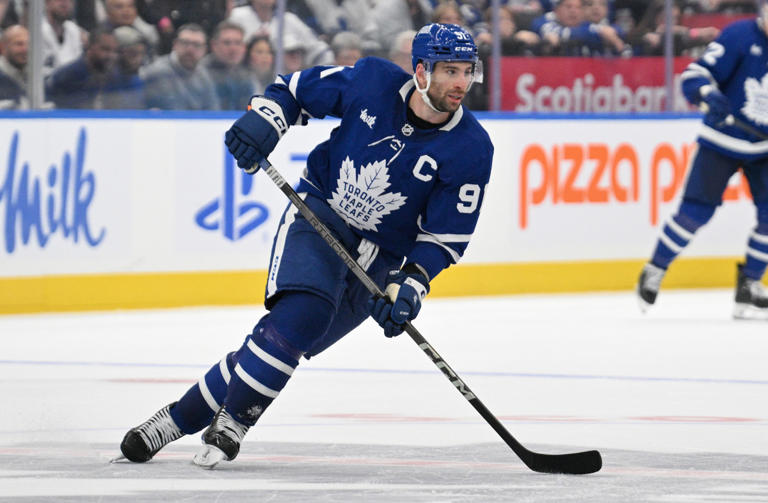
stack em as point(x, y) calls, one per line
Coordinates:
point(577, 463)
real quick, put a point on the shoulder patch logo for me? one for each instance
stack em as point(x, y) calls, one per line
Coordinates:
point(755, 50)
point(369, 120)
point(361, 199)
point(756, 103)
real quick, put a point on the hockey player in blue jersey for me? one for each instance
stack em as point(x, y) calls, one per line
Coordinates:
point(729, 81)
point(399, 182)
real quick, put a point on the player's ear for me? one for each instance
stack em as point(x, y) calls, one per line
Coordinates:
point(420, 73)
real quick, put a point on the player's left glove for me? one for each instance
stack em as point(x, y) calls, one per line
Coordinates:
point(717, 105)
point(405, 290)
point(254, 135)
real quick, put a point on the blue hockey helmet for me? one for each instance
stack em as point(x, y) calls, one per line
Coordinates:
point(442, 42)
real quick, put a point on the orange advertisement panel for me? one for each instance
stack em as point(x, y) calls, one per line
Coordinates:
point(588, 85)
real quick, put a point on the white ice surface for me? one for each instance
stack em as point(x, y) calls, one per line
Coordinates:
point(683, 388)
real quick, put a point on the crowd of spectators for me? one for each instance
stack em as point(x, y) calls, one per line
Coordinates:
point(214, 54)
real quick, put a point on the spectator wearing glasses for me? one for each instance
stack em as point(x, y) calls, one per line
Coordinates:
point(177, 81)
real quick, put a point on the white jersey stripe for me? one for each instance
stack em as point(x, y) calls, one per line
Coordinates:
point(224, 370)
point(269, 359)
point(669, 243)
point(679, 230)
point(207, 396)
point(734, 144)
point(254, 384)
point(757, 254)
point(294, 83)
point(331, 71)
point(429, 238)
point(695, 70)
point(277, 255)
point(760, 238)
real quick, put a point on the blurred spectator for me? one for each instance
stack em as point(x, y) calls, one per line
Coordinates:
point(224, 65)
point(294, 55)
point(260, 63)
point(259, 17)
point(124, 13)
point(90, 81)
point(168, 15)
point(334, 16)
point(448, 13)
point(686, 41)
point(722, 6)
point(514, 42)
point(12, 12)
point(395, 16)
point(525, 7)
point(62, 38)
point(85, 14)
point(565, 31)
point(612, 36)
point(347, 48)
point(400, 50)
point(13, 68)
point(177, 81)
point(131, 56)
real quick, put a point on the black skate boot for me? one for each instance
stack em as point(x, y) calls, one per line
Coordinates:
point(751, 297)
point(141, 443)
point(221, 441)
point(648, 285)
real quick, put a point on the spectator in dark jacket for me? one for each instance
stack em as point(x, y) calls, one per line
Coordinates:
point(224, 64)
point(178, 81)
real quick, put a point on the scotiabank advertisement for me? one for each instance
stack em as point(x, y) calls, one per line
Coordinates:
point(594, 85)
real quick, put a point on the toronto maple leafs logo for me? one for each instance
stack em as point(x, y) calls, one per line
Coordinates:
point(756, 102)
point(360, 198)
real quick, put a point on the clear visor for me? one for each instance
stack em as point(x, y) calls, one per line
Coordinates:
point(477, 71)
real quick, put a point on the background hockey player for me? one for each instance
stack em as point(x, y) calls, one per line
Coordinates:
point(730, 79)
point(399, 182)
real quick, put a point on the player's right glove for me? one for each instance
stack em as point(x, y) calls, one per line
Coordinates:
point(254, 135)
point(405, 290)
point(717, 105)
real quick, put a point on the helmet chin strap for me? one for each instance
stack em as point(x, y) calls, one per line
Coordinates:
point(423, 91)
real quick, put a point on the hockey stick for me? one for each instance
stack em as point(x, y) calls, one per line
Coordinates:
point(733, 121)
point(747, 128)
point(575, 463)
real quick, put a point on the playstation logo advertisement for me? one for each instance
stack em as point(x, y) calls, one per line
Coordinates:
point(236, 211)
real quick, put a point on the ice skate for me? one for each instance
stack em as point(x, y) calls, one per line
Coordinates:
point(751, 298)
point(141, 443)
point(221, 441)
point(648, 285)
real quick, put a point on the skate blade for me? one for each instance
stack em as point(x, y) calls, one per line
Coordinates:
point(749, 312)
point(208, 457)
point(120, 458)
point(644, 306)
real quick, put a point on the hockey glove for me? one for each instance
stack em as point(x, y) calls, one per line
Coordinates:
point(254, 135)
point(405, 290)
point(717, 105)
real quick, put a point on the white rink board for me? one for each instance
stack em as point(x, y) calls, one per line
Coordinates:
point(126, 195)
